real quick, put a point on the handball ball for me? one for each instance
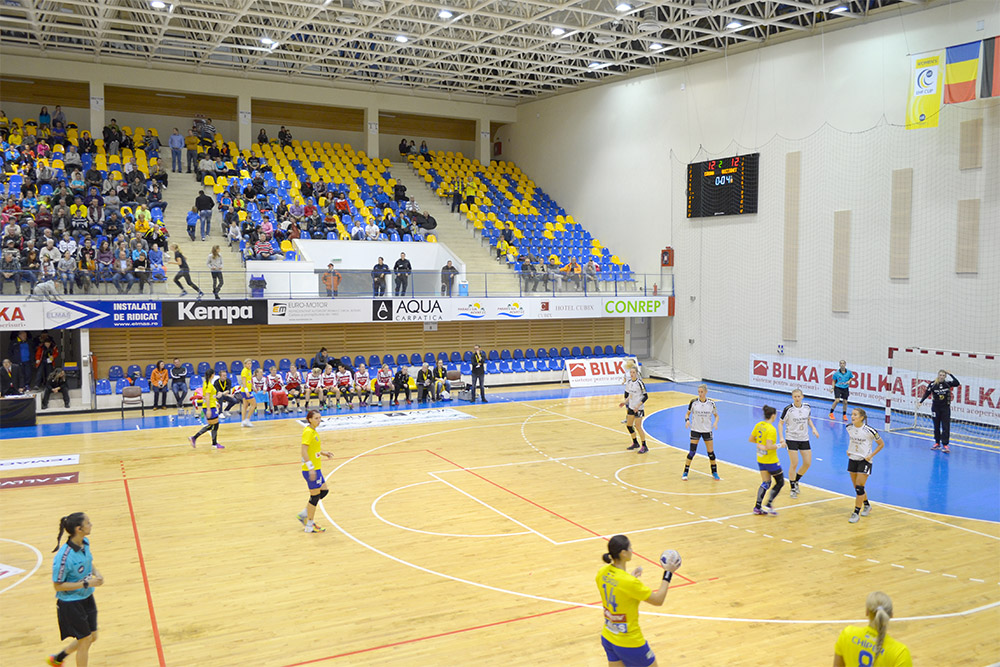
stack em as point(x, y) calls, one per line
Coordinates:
point(670, 557)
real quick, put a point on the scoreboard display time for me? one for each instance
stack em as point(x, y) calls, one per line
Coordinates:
point(726, 186)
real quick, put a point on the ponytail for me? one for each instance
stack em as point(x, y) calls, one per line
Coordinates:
point(69, 524)
point(616, 545)
point(879, 608)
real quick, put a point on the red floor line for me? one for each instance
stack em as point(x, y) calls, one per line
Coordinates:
point(142, 567)
point(553, 513)
point(441, 634)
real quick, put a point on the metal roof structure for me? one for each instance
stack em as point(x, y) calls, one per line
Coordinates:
point(499, 51)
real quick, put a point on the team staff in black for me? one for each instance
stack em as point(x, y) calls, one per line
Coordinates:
point(401, 384)
point(402, 269)
point(940, 390)
point(10, 379)
point(178, 382)
point(479, 373)
point(224, 393)
point(379, 272)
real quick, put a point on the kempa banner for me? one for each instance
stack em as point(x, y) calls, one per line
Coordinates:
point(214, 313)
point(597, 372)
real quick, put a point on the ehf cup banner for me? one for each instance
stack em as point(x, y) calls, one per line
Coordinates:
point(597, 372)
point(923, 101)
point(977, 400)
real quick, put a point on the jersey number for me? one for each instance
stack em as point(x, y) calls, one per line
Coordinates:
point(610, 597)
point(865, 659)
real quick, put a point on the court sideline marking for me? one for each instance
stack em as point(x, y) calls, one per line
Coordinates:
point(38, 563)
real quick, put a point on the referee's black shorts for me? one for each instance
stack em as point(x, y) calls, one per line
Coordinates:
point(77, 618)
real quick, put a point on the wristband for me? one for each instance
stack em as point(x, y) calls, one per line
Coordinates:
point(310, 466)
point(86, 584)
point(667, 576)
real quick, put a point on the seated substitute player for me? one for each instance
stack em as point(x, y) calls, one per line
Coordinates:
point(401, 384)
point(311, 464)
point(441, 381)
point(699, 416)
point(314, 387)
point(345, 386)
point(383, 383)
point(425, 383)
point(362, 385)
point(793, 433)
point(329, 386)
point(223, 393)
point(635, 402)
point(860, 455)
point(871, 645)
point(293, 385)
point(276, 394)
point(259, 386)
point(621, 594)
point(766, 438)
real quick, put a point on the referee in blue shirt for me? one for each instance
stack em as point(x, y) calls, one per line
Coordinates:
point(74, 577)
point(841, 388)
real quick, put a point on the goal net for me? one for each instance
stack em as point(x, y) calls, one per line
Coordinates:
point(975, 404)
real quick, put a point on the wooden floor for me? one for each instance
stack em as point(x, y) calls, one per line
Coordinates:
point(470, 542)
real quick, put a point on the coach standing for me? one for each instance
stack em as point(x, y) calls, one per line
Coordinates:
point(478, 373)
point(940, 391)
point(379, 272)
point(402, 270)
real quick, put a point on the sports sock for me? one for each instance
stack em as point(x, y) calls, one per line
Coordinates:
point(309, 522)
point(867, 504)
point(643, 443)
point(215, 433)
point(687, 466)
point(715, 468)
point(798, 476)
point(760, 496)
point(773, 495)
point(61, 655)
point(634, 441)
point(857, 510)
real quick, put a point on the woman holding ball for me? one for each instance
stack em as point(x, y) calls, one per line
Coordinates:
point(621, 594)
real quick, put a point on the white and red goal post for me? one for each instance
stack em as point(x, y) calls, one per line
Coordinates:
point(975, 406)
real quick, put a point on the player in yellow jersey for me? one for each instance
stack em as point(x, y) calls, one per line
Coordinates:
point(245, 393)
point(765, 436)
point(311, 463)
point(621, 594)
point(210, 403)
point(871, 646)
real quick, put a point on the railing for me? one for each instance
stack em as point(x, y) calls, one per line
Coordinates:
point(107, 285)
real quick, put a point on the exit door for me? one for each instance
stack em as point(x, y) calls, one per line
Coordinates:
point(640, 333)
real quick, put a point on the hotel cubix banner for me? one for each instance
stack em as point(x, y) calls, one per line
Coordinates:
point(923, 104)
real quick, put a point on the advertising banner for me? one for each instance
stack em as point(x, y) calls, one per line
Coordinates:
point(214, 313)
point(410, 310)
point(318, 311)
point(637, 306)
point(566, 307)
point(22, 316)
point(103, 314)
point(466, 309)
point(597, 372)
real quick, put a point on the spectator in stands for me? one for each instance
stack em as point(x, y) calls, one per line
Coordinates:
point(151, 145)
point(176, 144)
point(204, 204)
point(206, 167)
point(191, 144)
point(425, 383)
point(413, 147)
point(441, 381)
point(58, 135)
point(591, 271)
point(358, 230)
point(572, 272)
point(178, 382)
point(401, 270)
point(262, 137)
point(424, 151)
point(208, 132)
point(331, 280)
point(45, 359)
point(456, 195)
point(448, 273)
point(44, 174)
point(85, 144)
point(159, 175)
point(341, 205)
point(263, 249)
point(86, 266)
point(55, 384)
point(10, 269)
point(233, 235)
point(399, 192)
point(50, 252)
point(379, 273)
point(122, 272)
point(284, 137)
point(215, 266)
point(140, 268)
point(404, 148)
point(401, 384)
point(159, 380)
point(67, 272)
point(76, 183)
point(529, 276)
point(470, 193)
point(10, 379)
point(372, 230)
point(58, 116)
point(553, 274)
point(72, 159)
point(44, 118)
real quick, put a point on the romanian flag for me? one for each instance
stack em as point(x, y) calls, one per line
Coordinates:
point(991, 68)
point(961, 67)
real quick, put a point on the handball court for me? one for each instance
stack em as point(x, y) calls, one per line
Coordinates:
point(475, 539)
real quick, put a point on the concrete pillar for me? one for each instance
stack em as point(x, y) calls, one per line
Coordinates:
point(371, 132)
point(244, 117)
point(96, 108)
point(484, 142)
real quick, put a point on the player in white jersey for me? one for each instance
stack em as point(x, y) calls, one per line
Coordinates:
point(383, 383)
point(362, 385)
point(635, 402)
point(345, 386)
point(860, 454)
point(793, 433)
point(314, 387)
point(699, 419)
point(329, 386)
point(629, 365)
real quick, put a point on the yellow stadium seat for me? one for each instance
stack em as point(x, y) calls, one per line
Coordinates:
point(431, 238)
point(208, 180)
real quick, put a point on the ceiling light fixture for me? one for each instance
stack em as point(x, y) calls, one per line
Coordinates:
point(655, 46)
point(623, 7)
point(266, 41)
point(402, 39)
point(839, 10)
point(158, 4)
point(734, 25)
point(597, 65)
point(445, 14)
point(558, 32)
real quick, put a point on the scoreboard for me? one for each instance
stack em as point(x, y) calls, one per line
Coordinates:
point(726, 186)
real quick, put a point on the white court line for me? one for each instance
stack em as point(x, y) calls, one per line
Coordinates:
point(551, 459)
point(943, 523)
point(488, 506)
point(672, 493)
point(38, 563)
point(428, 532)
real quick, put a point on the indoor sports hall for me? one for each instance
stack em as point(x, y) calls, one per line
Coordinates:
point(744, 198)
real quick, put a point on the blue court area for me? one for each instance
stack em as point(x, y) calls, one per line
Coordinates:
point(964, 483)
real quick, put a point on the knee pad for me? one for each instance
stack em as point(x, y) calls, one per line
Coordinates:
point(322, 493)
point(779, 481)
point(630, 429)
point(860, 490)
point(765, 485)
point(711, 456)
point(694, 449)
point(313, 500)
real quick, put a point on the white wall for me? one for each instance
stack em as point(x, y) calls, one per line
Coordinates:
point(616, 154)
point(355, 139)
point(26, 111)
point(388, 145)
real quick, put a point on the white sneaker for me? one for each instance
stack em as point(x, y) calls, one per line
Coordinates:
point(854, 518)
point(866, 510)
point(246, 424)
point(795, 492)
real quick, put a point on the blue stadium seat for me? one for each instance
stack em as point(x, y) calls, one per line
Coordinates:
point(120, 384)
point(554, 353)
point(373, 362)
point(467, 357)
point(236, 367)
point(456, 357)
point(203, 367)
point(196, 382)
point(358, 360)
point(492, 367)
point(102, 388)
point(466, 368)
point(542, 353)
point(556, 364)
point(189, 367)
point(285, 365)
point(268, 363)
point(219, 367)
point(586, 352)
point(389, 359)
point(143, 384)
point(575, 353)
point(115, 373)
point(416, 359)
point(442, 356)
point(493, 355)
point(530, 366)
point(505, 355)
point(528, 354)
point(301, 363)
point(505, 367)
point(149, 370)
point(619, 350)
point(429, 358)
point(133, 370)
point(517, 366)
point(346, 361)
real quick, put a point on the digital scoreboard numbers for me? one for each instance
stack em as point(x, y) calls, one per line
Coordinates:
point(727, 186)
